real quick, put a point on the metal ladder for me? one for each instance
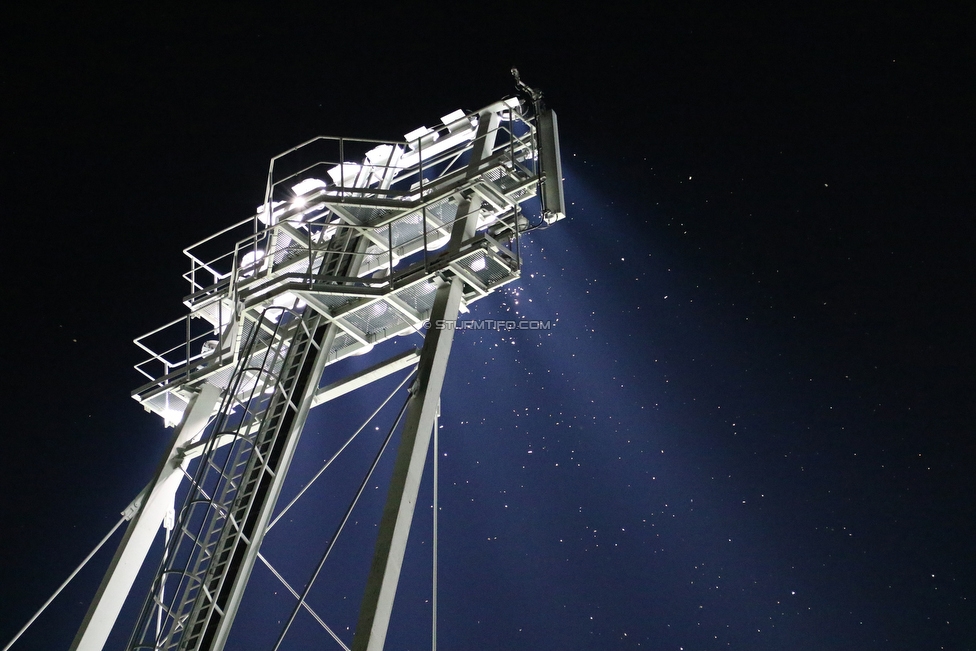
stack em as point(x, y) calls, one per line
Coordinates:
point(252, 473)
point(221, 515)
point(214, 527)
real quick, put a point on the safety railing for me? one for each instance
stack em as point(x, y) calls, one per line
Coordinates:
point(402, 199)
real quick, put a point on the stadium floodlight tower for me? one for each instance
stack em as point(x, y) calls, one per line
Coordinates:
point(340, 257)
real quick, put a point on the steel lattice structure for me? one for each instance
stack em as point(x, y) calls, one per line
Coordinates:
point(340, 257)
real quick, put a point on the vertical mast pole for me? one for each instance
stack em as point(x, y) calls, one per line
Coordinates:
point(391, 543)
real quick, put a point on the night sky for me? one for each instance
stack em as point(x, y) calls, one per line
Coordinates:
point(751, 423)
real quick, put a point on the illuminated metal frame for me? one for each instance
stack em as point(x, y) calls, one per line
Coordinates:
point(340, 257)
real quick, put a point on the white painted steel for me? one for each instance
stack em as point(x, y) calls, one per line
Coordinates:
point(153, 504)
point(412, 233)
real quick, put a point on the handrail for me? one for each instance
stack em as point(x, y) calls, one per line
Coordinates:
point(403, 190)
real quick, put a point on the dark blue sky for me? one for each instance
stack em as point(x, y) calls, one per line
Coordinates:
point(751, 423)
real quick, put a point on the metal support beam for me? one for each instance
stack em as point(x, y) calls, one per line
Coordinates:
point(150, 509)
point(366, 376)
point(469, 210)
point(322, 396)
point(391, 543)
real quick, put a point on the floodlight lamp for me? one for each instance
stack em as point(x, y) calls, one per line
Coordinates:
point(344, 175)
point(451, 118)
point(262, 212)
point(249, 262)
point(487, 220)
point(307, 186)
point(328, 233)
point(421, 138)
point(251, 258)
point(171, 417)
point(287, 302)
point(478, 264)
point(457, 121)
point(416, 134)
point(384, 155)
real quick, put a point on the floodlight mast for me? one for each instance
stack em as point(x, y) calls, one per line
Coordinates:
point(342, 256)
